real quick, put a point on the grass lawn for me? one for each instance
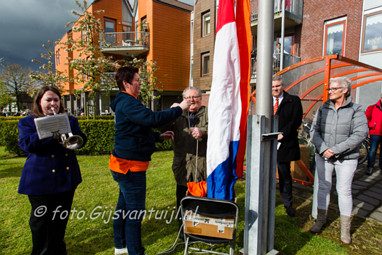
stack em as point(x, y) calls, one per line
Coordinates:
point(90, 228)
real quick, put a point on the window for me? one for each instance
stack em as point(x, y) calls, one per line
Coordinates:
point(205, 63)
point(206, 24)
point(127, 35)
point(84, 37)
point(372, 32)
point(109, 30)
point(58, 57)
point(288, 44)
point(334, 37)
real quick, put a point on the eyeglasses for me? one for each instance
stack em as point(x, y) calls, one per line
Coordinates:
point(191, 97)
point(334, 88)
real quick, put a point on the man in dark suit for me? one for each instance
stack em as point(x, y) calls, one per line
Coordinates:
point(289, 111)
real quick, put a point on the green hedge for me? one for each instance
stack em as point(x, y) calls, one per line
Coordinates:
point(9, 136)
point(100, 117)
point(100, 134)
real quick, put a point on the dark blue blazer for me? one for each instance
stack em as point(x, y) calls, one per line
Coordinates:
point(49, 168)
point(134, 138)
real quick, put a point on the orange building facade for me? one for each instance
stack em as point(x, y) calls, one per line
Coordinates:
point(154, 30)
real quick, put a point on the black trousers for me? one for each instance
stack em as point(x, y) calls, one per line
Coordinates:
point(180, 194)
point(285, 183)
point(48, 219)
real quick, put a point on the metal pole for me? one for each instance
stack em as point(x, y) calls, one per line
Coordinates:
point(282, 35)
point(264, 53)
point(259, 226)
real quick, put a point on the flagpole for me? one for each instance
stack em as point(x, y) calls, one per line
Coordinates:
point(264, 54)
point(261, 146)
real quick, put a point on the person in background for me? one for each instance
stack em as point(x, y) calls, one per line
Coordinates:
point(337, 132)
point(50, 175)
point(289, 110)
point(374, 119)
point(134, 142)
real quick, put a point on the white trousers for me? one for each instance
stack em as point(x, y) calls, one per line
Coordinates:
point(345, 170)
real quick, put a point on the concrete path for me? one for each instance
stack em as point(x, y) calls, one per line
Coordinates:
point(367, 193)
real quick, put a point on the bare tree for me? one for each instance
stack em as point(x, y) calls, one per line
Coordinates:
point(17, 81)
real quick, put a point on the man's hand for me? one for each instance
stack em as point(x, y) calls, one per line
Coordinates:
point(196, 132)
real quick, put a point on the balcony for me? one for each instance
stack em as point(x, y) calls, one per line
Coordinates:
point(126, 43)
point(288, 61)
point(293, 14)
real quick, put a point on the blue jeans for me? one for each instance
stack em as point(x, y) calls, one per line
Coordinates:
point(375, 140)
point(130, 211)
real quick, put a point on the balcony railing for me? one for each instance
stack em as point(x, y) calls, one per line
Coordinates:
point(126, 40)
point(288, 61)
point(292, 8)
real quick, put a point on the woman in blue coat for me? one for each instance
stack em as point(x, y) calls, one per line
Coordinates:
point(50, 175)
point(134, 143)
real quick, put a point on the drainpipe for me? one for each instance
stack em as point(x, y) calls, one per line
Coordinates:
point(282, 35)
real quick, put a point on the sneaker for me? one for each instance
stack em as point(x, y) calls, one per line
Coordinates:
point(120, 251)
point(369, 171)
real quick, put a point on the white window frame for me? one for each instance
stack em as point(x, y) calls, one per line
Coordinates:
point(377, 11)
point(206, 23)
point(205, 67)
point(333, 22)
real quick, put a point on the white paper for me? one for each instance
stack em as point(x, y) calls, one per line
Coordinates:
point(48, 125)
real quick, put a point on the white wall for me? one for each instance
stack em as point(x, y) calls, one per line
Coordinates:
point(370, 94)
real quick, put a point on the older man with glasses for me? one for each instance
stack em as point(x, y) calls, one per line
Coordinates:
point(190, 143)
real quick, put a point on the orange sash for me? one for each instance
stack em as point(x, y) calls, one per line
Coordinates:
point(121, 165)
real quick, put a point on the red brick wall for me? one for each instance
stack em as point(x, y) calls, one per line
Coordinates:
point(203, 44)
point(169, 29)
point(315, 15)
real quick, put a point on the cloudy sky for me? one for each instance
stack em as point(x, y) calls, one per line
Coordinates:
point(27, 24)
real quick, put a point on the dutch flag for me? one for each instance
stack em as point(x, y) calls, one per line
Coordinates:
point(229, 99)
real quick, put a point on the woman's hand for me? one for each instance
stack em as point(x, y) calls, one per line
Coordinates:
point(185, 104)
point(328, 153)
point(167, 135)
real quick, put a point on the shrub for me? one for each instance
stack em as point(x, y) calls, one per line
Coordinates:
point(9, 137)
point(100, 134)
point(100, 117)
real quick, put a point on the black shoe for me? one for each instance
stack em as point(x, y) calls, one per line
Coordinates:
point(369, 171)
point(291, 211)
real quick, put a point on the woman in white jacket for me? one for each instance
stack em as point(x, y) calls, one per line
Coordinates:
point(338, 129)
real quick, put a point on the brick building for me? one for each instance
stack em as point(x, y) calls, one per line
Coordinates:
point(313, 28)
point(155, 30)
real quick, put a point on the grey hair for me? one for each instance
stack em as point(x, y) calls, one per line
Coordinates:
point(344, 82)
point(277, 78)
point(194, 88)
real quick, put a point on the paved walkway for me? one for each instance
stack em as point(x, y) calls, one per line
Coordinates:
point(367, 193)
